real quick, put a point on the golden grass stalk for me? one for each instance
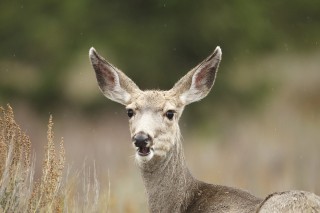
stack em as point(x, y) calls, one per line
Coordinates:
point(47, 192)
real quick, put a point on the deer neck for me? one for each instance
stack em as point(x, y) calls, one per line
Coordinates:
point(168, 181)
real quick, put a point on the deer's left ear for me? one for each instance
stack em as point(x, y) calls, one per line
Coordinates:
point(197, 83)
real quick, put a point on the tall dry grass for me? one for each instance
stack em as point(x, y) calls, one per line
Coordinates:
point(51, 192)
point(16, 168)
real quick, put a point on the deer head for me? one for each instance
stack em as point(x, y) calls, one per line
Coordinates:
point(154, 115)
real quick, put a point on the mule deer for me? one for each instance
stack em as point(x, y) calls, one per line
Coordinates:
point(153, 120)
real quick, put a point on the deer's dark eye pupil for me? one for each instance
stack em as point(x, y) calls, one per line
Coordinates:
point(170, 114)
point(130, 112)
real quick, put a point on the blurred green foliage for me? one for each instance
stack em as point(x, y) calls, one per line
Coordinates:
point(154, 42)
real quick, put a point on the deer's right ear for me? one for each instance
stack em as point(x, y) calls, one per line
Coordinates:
point(113, 83)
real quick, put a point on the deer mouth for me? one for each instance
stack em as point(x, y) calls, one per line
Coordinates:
point(143, 150)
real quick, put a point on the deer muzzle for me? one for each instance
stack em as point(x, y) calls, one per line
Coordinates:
point(143, 143)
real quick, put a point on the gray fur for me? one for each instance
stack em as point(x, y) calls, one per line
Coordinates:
point(290, 201)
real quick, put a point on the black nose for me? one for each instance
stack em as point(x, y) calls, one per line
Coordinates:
point(141, 139)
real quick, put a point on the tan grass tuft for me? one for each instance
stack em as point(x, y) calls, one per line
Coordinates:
point(47, 192)
point(20, 193)
point(14, 163)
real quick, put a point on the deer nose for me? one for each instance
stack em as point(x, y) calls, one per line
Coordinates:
point(141, 139)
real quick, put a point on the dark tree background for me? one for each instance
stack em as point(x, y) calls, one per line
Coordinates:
point(154, 42)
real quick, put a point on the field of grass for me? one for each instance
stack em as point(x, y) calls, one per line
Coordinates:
point(272, 147)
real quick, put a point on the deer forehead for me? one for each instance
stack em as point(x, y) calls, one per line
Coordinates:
point(153, 100)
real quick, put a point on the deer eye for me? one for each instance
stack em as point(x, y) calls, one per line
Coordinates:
point(130, 112)
point(170, 114)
